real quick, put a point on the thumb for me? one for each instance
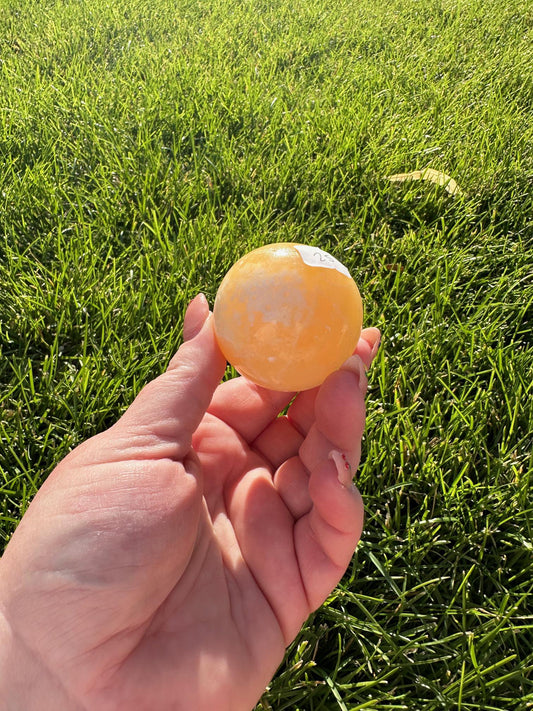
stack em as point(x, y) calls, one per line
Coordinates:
point(195, 317)
point(167, 411)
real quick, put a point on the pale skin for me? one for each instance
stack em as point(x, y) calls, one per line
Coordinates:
point(167, 562)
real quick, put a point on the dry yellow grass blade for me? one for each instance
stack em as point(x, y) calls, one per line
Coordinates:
point(433, 176)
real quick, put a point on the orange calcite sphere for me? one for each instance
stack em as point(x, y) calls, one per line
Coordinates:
point(287, 315)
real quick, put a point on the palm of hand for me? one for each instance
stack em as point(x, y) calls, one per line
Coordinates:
point(175, 580)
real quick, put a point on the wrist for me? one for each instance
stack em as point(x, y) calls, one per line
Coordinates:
point(25, 683)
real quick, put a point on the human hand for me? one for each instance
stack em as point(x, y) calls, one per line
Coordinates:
point(167, 562)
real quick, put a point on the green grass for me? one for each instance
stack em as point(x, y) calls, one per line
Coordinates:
point(146, 145)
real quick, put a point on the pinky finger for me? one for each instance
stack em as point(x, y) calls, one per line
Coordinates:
point(326, 537)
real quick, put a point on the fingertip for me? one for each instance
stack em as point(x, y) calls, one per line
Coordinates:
point(200, 347)
point(195, 316)
point(340, 406)
point(368, 345)
point(356, 365)
point(371, 334)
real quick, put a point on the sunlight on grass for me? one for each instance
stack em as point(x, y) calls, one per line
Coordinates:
point(147, 145)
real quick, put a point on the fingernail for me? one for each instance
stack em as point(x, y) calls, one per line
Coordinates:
point(344, 469)
point(195, 317)
point(355, 365)
point(375, 349)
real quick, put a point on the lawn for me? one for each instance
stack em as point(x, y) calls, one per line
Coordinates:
point(145, 145)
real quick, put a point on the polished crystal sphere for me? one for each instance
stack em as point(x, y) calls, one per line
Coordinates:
point(287, 315)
